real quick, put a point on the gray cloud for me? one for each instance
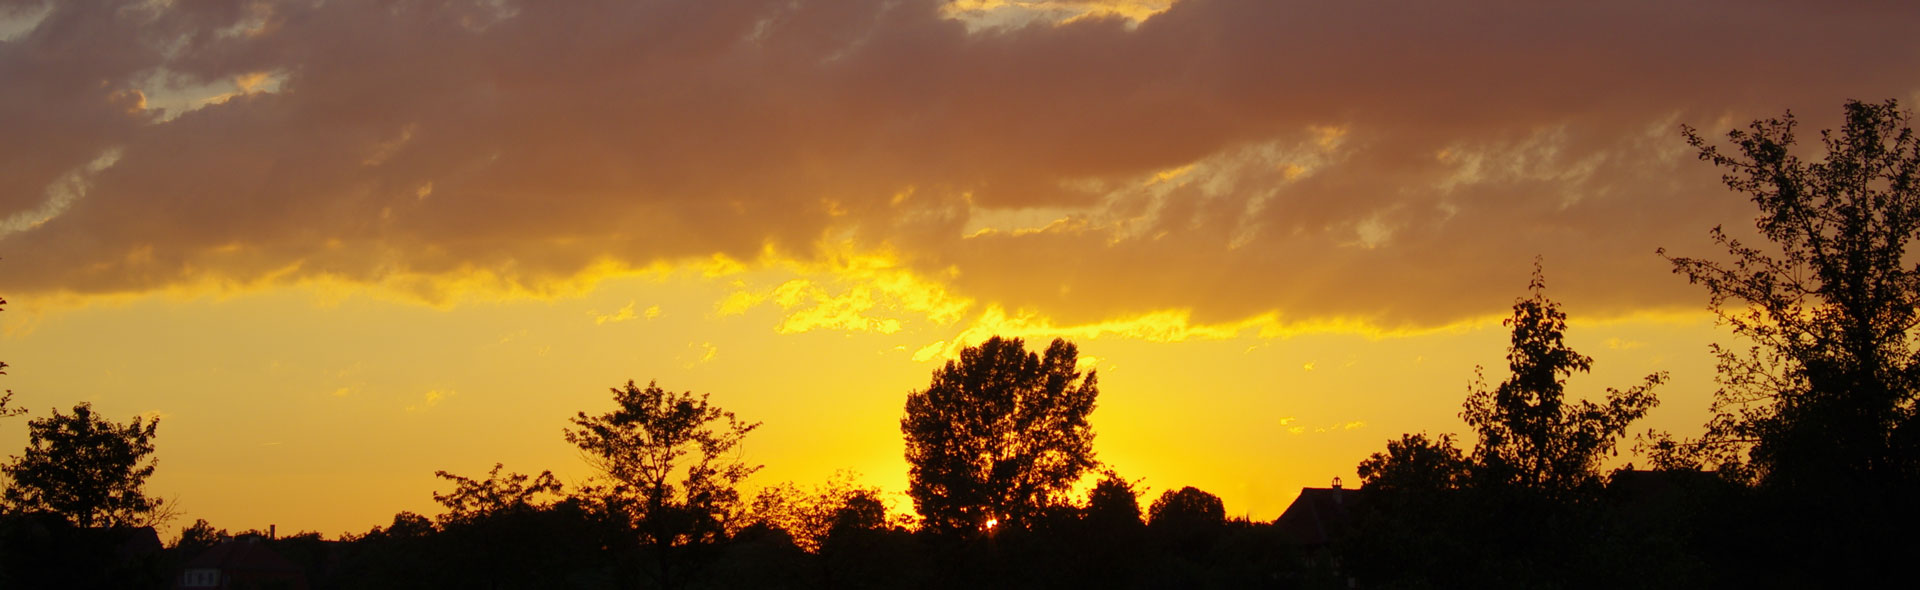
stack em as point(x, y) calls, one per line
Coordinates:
point(1398, 161)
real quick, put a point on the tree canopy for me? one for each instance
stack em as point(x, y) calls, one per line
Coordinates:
point(86, 468)
point(1826, 389)
point(1186, 507)
point(1416, 463)
point(813, 517)
point(472, 499)
point(1114, 502)
point(999, 434)
point(1530, 434)
point(672, 464)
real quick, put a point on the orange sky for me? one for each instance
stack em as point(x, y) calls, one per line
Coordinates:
point(337, 246)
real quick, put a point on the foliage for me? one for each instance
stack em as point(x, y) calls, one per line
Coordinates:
point(1113, 503)
point(198, 537)
point(999, 435)
point(86, 468)
point(655, 436)
point(672, 465)
point(1416, 463)
point(1537, 464)
point(812, 517)
point(474, 499)
point(1530, 435)
point(1188, 506)
point(1827, 388)
point(5, 400)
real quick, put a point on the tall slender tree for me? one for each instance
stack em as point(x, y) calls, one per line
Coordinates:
point(1530, 434)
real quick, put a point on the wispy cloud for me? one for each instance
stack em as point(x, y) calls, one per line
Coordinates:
point(431, 398)
point(625, 313)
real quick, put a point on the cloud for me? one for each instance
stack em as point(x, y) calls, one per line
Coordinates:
point(699, 354)
point(1617, 343)
point(1302, 429)
point(430, 399)
point(1381, 164)
point(849, 291)
point(625, 313)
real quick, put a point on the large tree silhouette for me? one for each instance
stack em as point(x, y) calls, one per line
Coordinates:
point(671, 459)
point(998, 435)
point(1826, 392)
point(86, 468)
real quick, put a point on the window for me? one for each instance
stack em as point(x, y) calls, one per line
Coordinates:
point(200, 578)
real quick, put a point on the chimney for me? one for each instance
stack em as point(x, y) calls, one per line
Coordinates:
point(271, 536)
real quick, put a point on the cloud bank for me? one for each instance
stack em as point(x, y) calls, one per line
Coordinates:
point(1396, 163)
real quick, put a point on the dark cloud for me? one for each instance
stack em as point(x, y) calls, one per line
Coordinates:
point(1399, 162)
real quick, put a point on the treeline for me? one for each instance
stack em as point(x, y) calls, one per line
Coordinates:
point(1806, 473)
point(1804, 476)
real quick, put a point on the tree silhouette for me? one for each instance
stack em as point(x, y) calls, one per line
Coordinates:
point(473, 499)
point(1530, 435)
point(199, 536)
point(1416, 463)
point(812, 517)
point(1426, 519)
point(671, 462)
point(1826, 394)
point(7, 398)
point(999, 435)
point(1113, 503)
point(1186, 507)
point(88, 469)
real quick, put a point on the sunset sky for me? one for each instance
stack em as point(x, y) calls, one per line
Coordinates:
point(337, 245)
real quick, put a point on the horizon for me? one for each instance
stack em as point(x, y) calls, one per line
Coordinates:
point(336, 248)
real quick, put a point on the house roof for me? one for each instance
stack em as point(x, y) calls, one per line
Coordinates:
point(1319, 515)
point(244, 555)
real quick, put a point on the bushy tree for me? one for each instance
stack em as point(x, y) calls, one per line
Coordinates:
point(999, 435)
point(1416, 463)
point(1113, 503)
point(813, 517)
point(1186, 507)
point(86, 468)
point(199, 537)
point(1530, 434)
point(1825, 391)
point(672, 465)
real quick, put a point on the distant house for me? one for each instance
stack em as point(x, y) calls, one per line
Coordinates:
point(242, 563)
point(1319, 516)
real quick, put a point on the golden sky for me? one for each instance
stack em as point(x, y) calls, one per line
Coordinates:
point(338, 245)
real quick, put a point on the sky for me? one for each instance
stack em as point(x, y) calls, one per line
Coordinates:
point(337, 245)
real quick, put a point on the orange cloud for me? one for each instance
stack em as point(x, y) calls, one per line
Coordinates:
point(1388, 165)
